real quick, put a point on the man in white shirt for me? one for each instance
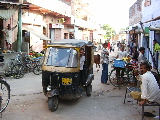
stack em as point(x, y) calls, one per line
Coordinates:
point(122, 53)
point(141, 57)
point(82, 72)
point(8, 35)
point(82, 58)
point(149, 89)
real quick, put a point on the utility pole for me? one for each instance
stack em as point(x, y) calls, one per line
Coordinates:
point(19, 38)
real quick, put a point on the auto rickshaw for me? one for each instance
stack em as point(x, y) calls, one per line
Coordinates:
point(67, 81)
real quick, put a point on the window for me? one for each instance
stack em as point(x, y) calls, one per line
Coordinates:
point(61, 57)
point(139, 3)
point(147, 3)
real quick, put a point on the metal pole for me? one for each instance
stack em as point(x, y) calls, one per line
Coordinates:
point(19, 41)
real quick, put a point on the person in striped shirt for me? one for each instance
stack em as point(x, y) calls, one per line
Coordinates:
point(104, 61)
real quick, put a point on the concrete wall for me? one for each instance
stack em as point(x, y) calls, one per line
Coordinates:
point(37, 21)
point(135, 12)
point(152, 10)
point(149, 15)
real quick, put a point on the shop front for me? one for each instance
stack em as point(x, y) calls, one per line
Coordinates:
point(10, 24)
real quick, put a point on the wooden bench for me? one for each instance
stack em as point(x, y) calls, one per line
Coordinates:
point(130, 89)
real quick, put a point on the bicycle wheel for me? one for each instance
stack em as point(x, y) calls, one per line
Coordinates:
point(4, 94)
point(116, 80)
point(18, 71)
point(37, 69)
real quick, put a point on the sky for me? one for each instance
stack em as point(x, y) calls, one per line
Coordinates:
point(113, 12)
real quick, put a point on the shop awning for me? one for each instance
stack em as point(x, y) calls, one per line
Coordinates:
point(40, 35)
point(6, 14)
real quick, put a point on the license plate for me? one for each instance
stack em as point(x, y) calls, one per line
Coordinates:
point(66, 81)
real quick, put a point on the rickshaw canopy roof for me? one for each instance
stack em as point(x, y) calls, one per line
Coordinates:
point(72, 42)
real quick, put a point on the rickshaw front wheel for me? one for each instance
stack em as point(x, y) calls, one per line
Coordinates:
point(88, 90)
point(53, 103)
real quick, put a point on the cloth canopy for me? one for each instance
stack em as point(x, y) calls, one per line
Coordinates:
point(40, 35)
point(6, 14)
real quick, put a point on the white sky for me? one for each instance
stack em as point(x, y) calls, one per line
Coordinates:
point(113, 12)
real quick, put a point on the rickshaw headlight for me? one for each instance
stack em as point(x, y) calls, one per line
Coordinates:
point(76, 75)
point(48, 88)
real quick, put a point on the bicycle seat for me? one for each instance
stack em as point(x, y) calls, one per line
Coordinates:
point(13, 59)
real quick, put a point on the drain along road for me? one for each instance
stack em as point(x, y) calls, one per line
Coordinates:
point(106, 103)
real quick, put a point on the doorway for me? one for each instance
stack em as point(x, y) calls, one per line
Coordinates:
point(65, 35)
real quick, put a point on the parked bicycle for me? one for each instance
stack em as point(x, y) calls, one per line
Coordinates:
point(33, 65)
point(122, 73)
point(4, 94)
point(13, 68)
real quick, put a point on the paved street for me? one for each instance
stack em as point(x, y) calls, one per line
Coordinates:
point(106, 102)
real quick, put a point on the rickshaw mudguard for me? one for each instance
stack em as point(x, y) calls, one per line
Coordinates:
point(89, 79)
point(53, 93)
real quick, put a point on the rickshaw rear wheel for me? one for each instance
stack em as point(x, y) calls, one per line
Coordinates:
point(53, 103)
point(88, 90)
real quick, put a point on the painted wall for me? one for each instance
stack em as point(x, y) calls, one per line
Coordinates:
point(152, 10)
point(149, 13)
point(37, 21)
point(135, 12)
point(54, 5)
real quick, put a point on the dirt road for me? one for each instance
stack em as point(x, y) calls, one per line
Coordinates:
point(106, 103)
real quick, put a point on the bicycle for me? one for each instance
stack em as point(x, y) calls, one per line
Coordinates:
point(4, 94)
point(15, 68)
point(38, 68)
point(122, 75)
point(33, 65)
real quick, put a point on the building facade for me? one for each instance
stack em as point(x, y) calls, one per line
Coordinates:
point(146, 11)
point(42, 22)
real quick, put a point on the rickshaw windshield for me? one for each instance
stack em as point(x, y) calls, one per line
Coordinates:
point(61, 57)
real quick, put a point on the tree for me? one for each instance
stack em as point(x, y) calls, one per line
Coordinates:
point(109, 31)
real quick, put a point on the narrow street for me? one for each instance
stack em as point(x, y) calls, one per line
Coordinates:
point(59, 29)
point(106, 102)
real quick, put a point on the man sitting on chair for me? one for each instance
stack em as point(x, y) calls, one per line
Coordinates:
point(150, 91)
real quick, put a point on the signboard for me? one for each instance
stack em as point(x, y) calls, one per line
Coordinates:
point(56, 26)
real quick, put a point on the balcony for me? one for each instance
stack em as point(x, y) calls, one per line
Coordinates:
point(81, 23)
point(51, 7)
point(86, 24)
